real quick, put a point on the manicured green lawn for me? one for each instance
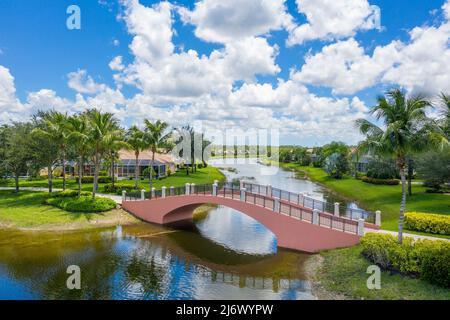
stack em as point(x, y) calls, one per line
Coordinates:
point(344, 271)
point(178, 179)
point(27, 210)
point(379, 197)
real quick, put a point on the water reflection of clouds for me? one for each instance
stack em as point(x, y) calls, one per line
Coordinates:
point(237, 231)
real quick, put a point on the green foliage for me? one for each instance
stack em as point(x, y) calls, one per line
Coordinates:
point(90, 179)
point(336, 165)
point(146, 172)
point(387, 182)
point(434, 168)
point(411, 257)
point(57, 173)
point(68, 194)
point(382, 169)
point(427, 222)
point(85, 204)
point(103, 173)
point(118, 188)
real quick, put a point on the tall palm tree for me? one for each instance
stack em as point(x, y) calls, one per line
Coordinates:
point(404, 120)
point(56, 129)
point(78, 137)
point(156, 136)
point(104, 133)
point(136, 142)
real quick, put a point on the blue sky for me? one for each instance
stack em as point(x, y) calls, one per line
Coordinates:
point(38, 53)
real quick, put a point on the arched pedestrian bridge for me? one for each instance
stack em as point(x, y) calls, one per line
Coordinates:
point(299, 222)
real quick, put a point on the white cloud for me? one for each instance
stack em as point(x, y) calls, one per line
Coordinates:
point(226, 21)
point(332, 19)
point(81, 82)
point(421, 65)
point(116, 64)
point(152, 29)
point(346, 68)
point(10, 107)
point(424, 63)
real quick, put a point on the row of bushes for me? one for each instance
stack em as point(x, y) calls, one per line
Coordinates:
point(427, 222)
point(427, 259)
point(118, 188)
point(389, 182)
point(90, 179)
point(84, 204)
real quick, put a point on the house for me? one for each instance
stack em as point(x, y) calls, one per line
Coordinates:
point(125, 166)
point(127, 162)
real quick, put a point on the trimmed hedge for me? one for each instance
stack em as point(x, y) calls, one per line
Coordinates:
point(118, 188)
point(90, 179)
point(427, 222)
point(84, 204)
point(389, 182)
point(427, 259)
point(68, 194)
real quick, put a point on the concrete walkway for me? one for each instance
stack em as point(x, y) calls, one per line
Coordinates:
point(117, 199)
point(409, 235)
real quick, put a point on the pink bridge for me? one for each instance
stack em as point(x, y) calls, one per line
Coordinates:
point(296, 224)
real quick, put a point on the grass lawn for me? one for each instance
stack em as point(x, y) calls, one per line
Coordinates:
point(26, 210)
point(343, 271)
point(178, 179)
point(379, 197)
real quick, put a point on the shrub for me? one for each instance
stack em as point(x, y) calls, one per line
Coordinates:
point(38, 178)
point(388, 182)
point(382, 169)
point(118, 188)
point(336, 165)
point(103, 173)
point(427, 259)
point(427, 222)
point(57, 173)
point(200, 166)
point(90, 179)
point(68, 194)
point(85, 204)
point(169, 172)
point(104, 179)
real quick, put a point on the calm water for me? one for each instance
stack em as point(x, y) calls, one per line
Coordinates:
point(222, 255)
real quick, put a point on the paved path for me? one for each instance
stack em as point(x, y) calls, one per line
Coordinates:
point(409, 235)
point(117, 199)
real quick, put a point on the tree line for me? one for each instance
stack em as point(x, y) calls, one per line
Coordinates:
point(53, 138)
point(404, 139)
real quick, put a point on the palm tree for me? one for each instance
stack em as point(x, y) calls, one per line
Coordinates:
point(405, 120)
point(155, 137)
point(104, 134)
point(136, 142)
point(79, 138)
point(56, 130)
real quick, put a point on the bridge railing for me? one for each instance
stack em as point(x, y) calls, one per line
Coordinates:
point(279, 201)
point(309, 202)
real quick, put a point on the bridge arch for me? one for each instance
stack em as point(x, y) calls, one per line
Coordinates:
point(291, 233)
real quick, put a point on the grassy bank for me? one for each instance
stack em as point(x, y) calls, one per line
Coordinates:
point(379, 197)
point(343, 272)
point(26, 210)
point(178, 179)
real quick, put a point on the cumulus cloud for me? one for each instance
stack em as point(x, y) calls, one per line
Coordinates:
point(10, 107)
point(333, 19)
point(346, 68)
point(419, 65)
point(81, 82)
point(225, 21)
point(116, 64)
point(160, 71)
